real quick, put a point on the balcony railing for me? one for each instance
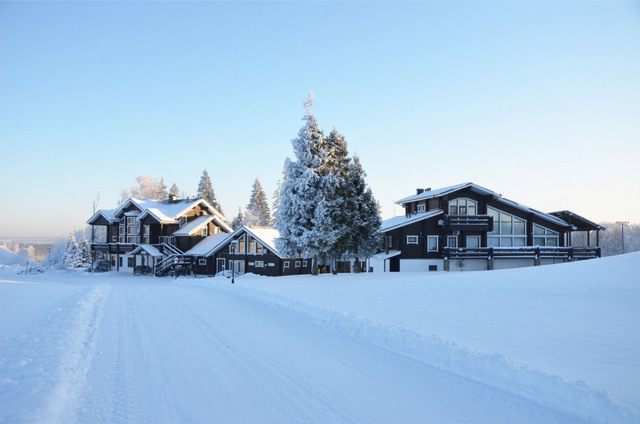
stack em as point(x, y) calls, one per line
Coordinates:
point(533, 252)
point(468, 222)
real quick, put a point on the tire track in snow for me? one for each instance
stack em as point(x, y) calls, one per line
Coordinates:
point(65, 399)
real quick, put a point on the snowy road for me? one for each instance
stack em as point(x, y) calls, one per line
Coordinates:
point(154, 352)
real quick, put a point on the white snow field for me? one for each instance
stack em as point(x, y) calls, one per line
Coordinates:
point(550, 344)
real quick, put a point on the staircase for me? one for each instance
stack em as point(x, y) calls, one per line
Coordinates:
point(175, 261)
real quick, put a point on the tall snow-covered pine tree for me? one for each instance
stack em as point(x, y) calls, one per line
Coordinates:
point(258, 213)
point(205, 191)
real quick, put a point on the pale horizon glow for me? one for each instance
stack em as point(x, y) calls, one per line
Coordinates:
point(538, 101)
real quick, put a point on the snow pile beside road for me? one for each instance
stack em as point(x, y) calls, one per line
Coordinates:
point(10, 258)
point(575, 399)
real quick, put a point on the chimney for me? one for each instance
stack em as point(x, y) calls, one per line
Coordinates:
point(172, 198)
point(419, 190)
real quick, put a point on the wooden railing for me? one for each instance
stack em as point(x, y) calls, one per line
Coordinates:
point(533, 252)
point(468, 222)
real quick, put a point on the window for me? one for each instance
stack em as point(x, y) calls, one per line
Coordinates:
point(463, 207)
point(286, 264)
point(452, 241)
point(114, 239)
point(121, 239)
point(252, 245)
point(297, 264)
point(304, 264)
point(473, 241)
point(131, 262)
point(422, 207)
point(259, 249)
point(432, 243)
point(121, 231)
point(183, 220)
point(202, 262)
point(241, 247)
point(412, 239)
point(259, 264)
point(544, 236)
point(204, 231)
point(508, 230)
point(131, 220)
point(131, 239)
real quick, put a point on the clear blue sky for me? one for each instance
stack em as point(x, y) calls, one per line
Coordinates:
point(539, 101)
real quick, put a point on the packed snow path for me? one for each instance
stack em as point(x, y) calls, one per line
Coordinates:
point(158, 352)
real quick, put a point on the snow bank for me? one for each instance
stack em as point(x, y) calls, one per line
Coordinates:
point(9, 258)
point(575, 399)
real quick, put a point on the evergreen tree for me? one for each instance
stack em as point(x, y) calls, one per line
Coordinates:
point(175, 191)
point(303, 216)
point(364, 232)
point(238, 220)
point(277, 195)
point(205, 191)
point(258, 213)
point(69, 257)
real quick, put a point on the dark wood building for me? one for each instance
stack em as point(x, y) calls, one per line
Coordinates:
point(468, 227)
point(246, 250)
point(153, 235)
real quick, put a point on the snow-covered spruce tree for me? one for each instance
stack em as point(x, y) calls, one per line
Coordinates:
point(303, 218)
point(338, 193)
point(69, 256)
point(160, 190)
point(205, 191)
point(364, 229)
point(84, 252)
point(258, 213)
point(237, 220)
point(275, 203)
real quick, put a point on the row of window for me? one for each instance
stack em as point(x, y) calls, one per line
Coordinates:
point(549, 238)
point(241, 246)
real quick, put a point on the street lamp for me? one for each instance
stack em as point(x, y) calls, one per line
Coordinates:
point(622, 223)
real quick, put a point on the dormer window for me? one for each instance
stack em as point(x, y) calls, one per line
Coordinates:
point(183, 220)
point(463, 207)
point(422, 207)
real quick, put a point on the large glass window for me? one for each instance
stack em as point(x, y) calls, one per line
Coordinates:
point(508, 230)
point(473, 241)
point(545, 237)
point(463, 207)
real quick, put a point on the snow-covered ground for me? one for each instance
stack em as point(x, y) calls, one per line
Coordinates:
point(557, 343)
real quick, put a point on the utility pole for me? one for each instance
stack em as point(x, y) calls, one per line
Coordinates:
point(622, 223)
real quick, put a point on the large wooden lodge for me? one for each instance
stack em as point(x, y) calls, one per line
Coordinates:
point(462, 227)
point(468, 227)
point(188, 235)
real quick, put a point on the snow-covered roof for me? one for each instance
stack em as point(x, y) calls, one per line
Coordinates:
point(265, 235)
point(209, 244)
point(384, 255)
point(147, 248)
point(401, 221)
point(163, 211)
point(193, 226)
point(428, 194)
point(107, 214)
point(481, 190)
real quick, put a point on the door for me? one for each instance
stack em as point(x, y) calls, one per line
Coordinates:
point(220, 265)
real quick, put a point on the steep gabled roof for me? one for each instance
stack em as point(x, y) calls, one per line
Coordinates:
point(209, 245)
point(165, 211)
point(401, 221)
point(429, 194)
point(578, 222)
point(193, 226)
point(106, 214)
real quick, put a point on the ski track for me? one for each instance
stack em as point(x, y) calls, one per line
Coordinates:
point(63, 402)
point(175, 353)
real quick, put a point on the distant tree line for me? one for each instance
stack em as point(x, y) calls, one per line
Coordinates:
point(611, 240)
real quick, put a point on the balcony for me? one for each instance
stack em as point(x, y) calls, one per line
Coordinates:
point(468, 223)
point(533, 252)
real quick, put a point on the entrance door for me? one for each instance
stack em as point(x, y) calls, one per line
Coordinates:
point(220, 265)
point(239, 266)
